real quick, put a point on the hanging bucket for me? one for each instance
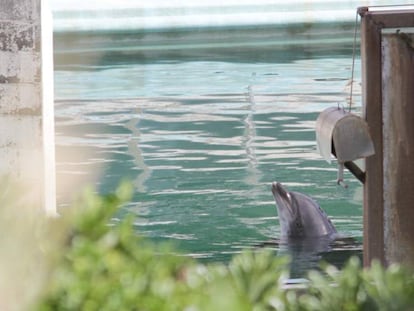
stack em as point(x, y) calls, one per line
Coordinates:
point(344, 135)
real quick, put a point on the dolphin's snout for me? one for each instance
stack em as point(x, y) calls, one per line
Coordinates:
point(280, 193)
point(274, 187)
point(277, 189)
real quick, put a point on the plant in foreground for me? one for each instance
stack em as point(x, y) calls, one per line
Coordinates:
point(102, 264)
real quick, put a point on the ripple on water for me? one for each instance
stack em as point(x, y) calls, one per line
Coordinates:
point(202, 142)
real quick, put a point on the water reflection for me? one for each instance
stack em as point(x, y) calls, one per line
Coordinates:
point(134, 149)
point(202, 142)
point(310, 253)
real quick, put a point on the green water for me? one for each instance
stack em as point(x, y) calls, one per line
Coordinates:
point(202, 140)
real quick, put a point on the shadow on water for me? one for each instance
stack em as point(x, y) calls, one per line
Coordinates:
point(263, 44)
point(307, 254)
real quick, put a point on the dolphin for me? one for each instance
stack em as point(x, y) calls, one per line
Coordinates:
point(300, 216)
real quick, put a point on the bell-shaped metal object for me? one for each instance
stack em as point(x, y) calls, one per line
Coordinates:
point(344, 135)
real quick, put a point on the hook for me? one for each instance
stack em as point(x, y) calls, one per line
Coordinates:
point(340, 178)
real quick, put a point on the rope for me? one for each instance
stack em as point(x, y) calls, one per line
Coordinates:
point(353, 62)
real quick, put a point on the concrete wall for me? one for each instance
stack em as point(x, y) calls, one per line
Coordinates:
point(24, 131)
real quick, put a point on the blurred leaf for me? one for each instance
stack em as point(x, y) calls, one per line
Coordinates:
point(106, 265)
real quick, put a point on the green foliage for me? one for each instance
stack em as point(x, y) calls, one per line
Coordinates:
point(105, 265)
point(110, 268)
point(355, 288)
point(391, 289)
point(249, 282)
point(336, 290)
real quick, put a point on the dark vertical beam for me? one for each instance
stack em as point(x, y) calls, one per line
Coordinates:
point(373, 213)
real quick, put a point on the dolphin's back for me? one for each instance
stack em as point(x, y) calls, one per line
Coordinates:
point(318, 223)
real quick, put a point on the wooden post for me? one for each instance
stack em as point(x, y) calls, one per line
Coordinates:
point(386, 196)
point(26, 100)
point(371, 99)
point(398, 137)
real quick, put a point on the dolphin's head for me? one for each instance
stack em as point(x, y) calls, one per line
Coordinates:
point(299, 215)
point(287, 208)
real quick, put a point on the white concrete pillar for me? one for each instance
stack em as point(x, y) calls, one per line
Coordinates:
point(27, 151)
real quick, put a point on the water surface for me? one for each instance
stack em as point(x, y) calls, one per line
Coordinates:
point(202, 141)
